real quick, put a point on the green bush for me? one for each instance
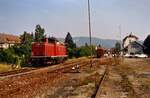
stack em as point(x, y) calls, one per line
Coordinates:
point(15, 55)
point(8, 56)
point(70, 53)
point(84, 51)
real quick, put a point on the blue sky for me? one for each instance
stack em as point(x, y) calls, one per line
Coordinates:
point(61, 16)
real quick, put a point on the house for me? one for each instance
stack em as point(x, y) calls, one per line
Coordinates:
point(131, 47)
point(135, 48)
point(8, 40)
point(129, 39)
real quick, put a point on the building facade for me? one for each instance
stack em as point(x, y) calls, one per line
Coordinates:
point(135, 48)
point(8, 40)
point(129, 39)
point(131, 45)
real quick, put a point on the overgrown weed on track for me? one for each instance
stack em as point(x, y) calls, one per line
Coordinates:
point(122, 70)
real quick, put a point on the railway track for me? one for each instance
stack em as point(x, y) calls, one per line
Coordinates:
point(16, 71)
point(53, 68)
point(24, 82)
point(115, 84)
point(98, 91)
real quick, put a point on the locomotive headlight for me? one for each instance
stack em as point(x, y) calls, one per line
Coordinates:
point(96, 48)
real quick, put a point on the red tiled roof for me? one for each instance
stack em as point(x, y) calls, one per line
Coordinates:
point(8, 38)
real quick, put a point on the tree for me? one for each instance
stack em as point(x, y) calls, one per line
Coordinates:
point(117, 48)
point(86, 44)
point(99, 46)
point(39, 33)
point(71, 46)
point(17, 54)
point(24, 50)
point(26, 38)
point(147, 45)
point(9, 56)
point(85, 51)
point(69, 41)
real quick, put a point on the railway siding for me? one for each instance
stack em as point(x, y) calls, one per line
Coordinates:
point(137, 73)
point(115, 85)
point(34, 82)
point(82, 84)
point(129, 80)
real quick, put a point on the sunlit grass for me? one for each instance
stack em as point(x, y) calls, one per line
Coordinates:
point(5, 67)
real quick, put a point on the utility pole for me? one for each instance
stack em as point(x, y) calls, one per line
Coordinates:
point(90, 30)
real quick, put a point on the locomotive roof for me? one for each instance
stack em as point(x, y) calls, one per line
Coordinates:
point(52, 39)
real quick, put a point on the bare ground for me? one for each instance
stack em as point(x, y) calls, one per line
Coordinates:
point(82, 84)
point(129, 79)
point(138, 73)
point(42, 84)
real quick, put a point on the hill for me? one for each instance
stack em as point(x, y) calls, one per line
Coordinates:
point(107, 43)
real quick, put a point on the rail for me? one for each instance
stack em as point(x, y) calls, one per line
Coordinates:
point(98, 91)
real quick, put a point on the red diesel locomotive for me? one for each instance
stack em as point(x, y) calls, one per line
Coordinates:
point(49, 51)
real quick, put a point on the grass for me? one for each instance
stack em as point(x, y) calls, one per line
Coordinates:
point(5, 67)
point(124, 70)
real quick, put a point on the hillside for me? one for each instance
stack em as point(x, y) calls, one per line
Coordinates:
point(107, 43)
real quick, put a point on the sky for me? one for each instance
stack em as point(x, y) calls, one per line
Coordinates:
point(58, 17)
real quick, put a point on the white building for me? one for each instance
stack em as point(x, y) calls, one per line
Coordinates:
point(129, 39)
point(135, 48)
point(131, 45)
point(7, 40)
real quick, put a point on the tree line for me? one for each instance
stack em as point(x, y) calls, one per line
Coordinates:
point(20, 54)
point(74, 51)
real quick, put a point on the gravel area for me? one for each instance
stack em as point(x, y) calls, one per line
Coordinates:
point(129, 79)
point(82, 84)
point(138, 73)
